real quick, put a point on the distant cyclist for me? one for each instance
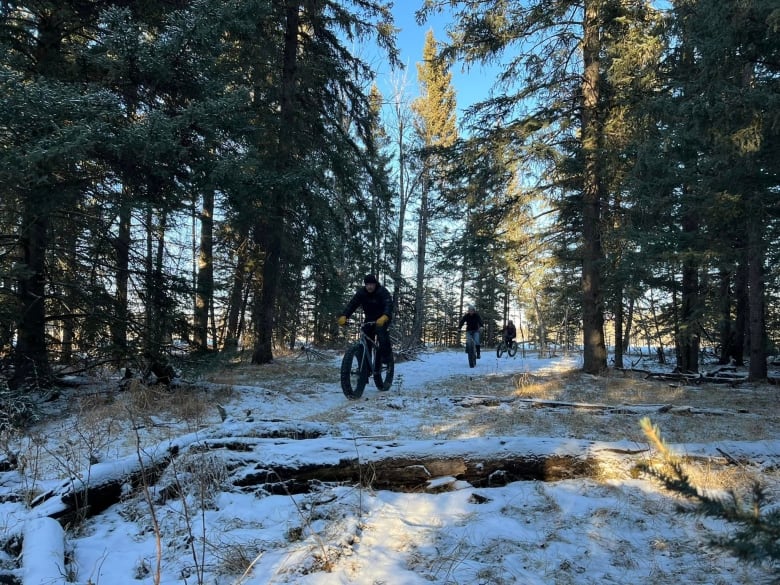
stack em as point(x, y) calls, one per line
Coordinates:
point(473, 324)
point(510, 332)
point(377, 304)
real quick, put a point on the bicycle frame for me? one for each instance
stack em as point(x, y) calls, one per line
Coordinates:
point(370, 346)
point(362, 362)
point(509, 348)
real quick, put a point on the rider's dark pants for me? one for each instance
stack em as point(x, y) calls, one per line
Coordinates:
point(385, 345)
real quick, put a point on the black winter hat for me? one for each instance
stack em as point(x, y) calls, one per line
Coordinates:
point(370, 278)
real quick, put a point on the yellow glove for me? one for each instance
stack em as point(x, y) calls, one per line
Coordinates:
point(382, 321)
point(342, 320)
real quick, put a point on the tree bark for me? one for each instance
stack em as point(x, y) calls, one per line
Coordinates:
point(122, 250)
point(422, 244)
point(688, 338)
point(270, 232)
point(725, 325)
point(403, 200)
point(756, 286)
point(31, 358)
point(625, 342)
point(742, 309)
point(205, 284)
point(237, 293)
point(619, 329)
point(594, 346)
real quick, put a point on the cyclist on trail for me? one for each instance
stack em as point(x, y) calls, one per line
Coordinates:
point(377, 305)
point(510, 332)
point(473, 324)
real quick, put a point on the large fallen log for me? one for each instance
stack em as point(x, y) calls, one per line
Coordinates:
point(284, 464)
point(99, 487)
point(408, 465)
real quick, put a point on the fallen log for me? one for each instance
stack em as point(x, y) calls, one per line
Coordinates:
point(407, 466)
point(414, 474)
point(99, 487)
point(282, 465)
point(43, 553)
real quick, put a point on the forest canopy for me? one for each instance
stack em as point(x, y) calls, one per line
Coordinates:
point(222, 175)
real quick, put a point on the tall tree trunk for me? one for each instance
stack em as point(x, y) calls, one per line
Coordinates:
point(756, 303)
point(688, 339)
point(461, 292)
point(595, 351)
point(69, 265)
point(31, 359)
point(161, 295)
point(725, 323)
point(419, 293)
point(402, 203)
point(619, 313)
point(237, 293)
point(205, 284)
point(122, 250)
point(156, 292)
point(272, 226)
point(629, 321)
point(541, 328)
point(149, 315)
point(741, 310)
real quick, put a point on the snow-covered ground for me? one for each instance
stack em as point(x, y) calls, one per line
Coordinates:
point(614, 527)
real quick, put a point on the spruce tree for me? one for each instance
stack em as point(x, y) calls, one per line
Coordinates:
point(435, 126)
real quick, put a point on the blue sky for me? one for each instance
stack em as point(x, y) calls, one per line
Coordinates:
point(470, 86)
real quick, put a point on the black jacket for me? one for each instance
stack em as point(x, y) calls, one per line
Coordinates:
point(375, 304)
point(473, 322)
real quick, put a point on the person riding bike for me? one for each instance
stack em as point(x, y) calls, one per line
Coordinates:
point(510, 332)
point(473, 324)
point(377, 305)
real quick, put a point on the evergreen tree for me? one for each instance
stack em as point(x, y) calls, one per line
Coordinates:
point(555, 97)
point(53, 120)
point(709, 156)
point(435, 126)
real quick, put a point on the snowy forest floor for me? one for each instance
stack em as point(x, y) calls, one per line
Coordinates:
point(235, 420)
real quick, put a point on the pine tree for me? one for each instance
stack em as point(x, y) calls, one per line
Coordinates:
point(435, 126)
point(550, 99)
point(758, 520)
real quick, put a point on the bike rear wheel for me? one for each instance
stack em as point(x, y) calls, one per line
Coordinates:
point(354, 372)
point(383, 375)
point(512, 349)
point(500, 349)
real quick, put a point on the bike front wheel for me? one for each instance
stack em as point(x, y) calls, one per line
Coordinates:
point(472, 353)
point(354, 372)
point(500, 349)
point(512, 349)
point(383, 376)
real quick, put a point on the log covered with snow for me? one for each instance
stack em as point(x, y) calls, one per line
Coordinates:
point(43, 553)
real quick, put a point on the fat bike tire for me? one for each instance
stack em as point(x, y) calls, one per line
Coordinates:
point(383, 376)
point(472, 353)
point(512, 349)
point(354, 373)
point(499, 350)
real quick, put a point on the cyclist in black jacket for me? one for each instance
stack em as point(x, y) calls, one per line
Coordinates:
point(510, 332)
point(473, 323)
point(377, 304)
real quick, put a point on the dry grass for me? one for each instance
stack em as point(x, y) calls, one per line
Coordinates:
point(719, 412)
point(509, 405)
